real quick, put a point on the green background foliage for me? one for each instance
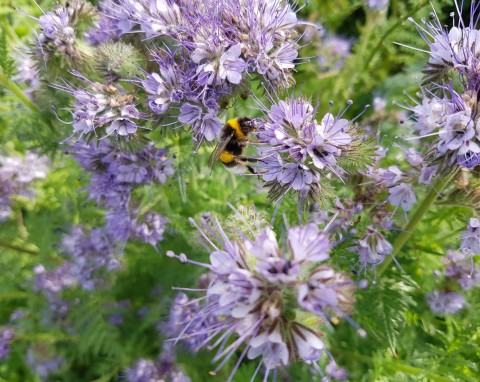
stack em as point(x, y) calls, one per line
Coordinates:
point(405, 342)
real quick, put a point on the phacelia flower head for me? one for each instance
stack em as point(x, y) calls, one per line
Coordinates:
point(332, 52)
point(90, 255)
point(262, 295)
point(150, 229)
point(447, 112)
point(103, 111)
point(16, 175)
point(298, 150)
point(212, 50)
point(373, 247)
point(445, 302)
point(59, 31)
point(461, 268)
point(454, 48)
point(471, 238)
point(7, 334)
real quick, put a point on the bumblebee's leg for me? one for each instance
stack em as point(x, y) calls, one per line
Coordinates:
point(248, 159)
point(251, 170)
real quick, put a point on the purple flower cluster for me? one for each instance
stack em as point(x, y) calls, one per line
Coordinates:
point(448, 114)
point(471, 238)
point(400, 183)
point(7, 334)
point(214, 49)
point(16, 174)
point(298, 151)
point(258, 291)
point(58, 29)
point(377, 4)
point(445, 302)
point(460, 274)
point(42, 362)
point(332, 52)
point(114, 177)
point(88, 256)
point(102, 111)
point(112, 24)
point(163, 369)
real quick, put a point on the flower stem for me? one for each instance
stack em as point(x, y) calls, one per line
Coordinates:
point(407, 232)
point(7, 83)
point(18, 248)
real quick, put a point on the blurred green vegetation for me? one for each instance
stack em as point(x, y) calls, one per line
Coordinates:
point(405, 341)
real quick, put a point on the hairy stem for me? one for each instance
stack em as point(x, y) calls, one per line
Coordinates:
point(18, 248)
point(407, 232)
point(7, 83)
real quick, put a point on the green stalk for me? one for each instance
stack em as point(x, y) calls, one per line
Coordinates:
point(18, 248)
point(412, 370)
point(407, 232)
point(7, 83)
point(395, 365)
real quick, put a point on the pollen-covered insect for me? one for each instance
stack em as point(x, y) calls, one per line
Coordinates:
point(232, 144)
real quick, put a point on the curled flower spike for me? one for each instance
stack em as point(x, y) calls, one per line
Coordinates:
point(298, 151)
point(265, 299)
point(102, 111)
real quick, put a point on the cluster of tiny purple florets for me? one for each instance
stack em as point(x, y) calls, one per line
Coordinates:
point(215, 48)
point(262, 296)
point(102, 111)
point(16, 174)
point(445, 111)
point(297, 151)
point(114, 176)
point(7, 334)
point(461, 273)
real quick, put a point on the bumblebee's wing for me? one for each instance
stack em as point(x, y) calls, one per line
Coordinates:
point(219, 149)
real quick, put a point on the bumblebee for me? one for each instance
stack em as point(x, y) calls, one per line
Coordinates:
point(232, 144)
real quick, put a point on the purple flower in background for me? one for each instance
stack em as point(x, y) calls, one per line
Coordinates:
point(163, 369)
point(427, 174)
point(459, 267)
point(16, 175)
point(194, 335)
point(333, 51)
point(7, 335)
point(456, 48)
point(143, 371)
point(373, 247)
point(42, 362)
point(377, 4)
point(471, 237)
point(336, 372)
point(150, 230)
point(250, 282)
point(414, 157)
point(445, 302)
point(402, 195)
point(90, 255)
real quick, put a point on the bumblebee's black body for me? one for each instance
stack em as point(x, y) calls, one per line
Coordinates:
point(232, 144)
